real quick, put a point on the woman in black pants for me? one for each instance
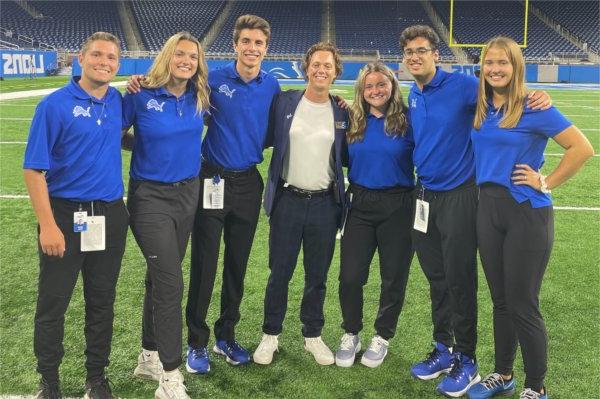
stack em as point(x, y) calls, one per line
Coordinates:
point(515, 223)
point(381, 184)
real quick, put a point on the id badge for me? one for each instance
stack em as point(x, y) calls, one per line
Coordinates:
point(421, 216)
point(214, 193)
point(79, 221)
point(94, 238)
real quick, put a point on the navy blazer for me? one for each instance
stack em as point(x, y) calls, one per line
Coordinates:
point(280, 121)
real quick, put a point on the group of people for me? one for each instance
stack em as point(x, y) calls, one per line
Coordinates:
point(477, 148)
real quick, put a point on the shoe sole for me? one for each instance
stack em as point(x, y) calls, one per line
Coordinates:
point(145, 376)
point(264, 363)
point(460, 393)
point(194, 371)
point(328, 362)
point(229, 360)
point(430, 376)
point(371, 363)
point(347, 362)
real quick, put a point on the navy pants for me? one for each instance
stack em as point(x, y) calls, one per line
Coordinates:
point(310, 223)
point(515, 241)
point(99, 271)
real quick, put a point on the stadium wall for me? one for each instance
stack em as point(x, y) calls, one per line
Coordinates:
point(28, 63)
point(22, 63)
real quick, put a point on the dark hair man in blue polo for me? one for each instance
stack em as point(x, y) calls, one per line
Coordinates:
point(72, 170)
point(441, 112)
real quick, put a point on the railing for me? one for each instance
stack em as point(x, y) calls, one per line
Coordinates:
point(5, 44)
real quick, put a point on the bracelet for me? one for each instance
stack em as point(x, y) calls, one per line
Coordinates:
point(544, 187)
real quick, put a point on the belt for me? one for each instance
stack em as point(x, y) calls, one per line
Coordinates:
point(162, 183)
point(307, 194)
point(213, 169)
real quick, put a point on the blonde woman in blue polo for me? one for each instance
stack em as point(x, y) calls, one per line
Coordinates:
point(515, 221)
point(167, 117)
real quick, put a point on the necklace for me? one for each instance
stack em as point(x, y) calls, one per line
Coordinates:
point(98, 118)
point(180, 110)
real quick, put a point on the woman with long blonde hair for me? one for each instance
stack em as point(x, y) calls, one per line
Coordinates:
point(380, 170)
point(167, 118)
point(515, 223)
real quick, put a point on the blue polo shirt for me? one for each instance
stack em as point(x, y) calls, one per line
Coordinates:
point(380, 160)
point(82, 158)
point(441, 116)
point(498, 150)
point(237, 128)
point(168, 134)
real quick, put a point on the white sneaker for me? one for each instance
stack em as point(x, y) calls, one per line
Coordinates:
point(149, 366)
point(171, 386)
point(319, 350)
point(376, 352)
point(349, 347)
point(264, 353)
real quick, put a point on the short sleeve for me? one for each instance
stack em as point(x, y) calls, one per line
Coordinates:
point(128, 110)
point(43, 133)
point(548, 122)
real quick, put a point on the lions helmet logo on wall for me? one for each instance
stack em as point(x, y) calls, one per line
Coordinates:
point(226, 90)
point(153, 104)
point(80, 111)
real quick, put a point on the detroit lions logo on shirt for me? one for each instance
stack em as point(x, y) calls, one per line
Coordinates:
point(80, 111)
point(153, 104)
point(413, 103)
point(226, 90)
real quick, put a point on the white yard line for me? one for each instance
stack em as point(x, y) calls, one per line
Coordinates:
point(41, 92)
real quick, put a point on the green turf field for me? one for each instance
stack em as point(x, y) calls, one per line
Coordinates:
point(570, 300)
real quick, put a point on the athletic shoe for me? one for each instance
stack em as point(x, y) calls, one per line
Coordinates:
point(198, 361)
point(171, 386)
point(233, 352)
point(349, 347)
point(492, 385)
point(48, 390)
point(529, 393)
point(149, 366)
point(98, 388)
point(263, 354)
point(319, 350)
point(462, 377)
point(376, 352)
point(438, 361)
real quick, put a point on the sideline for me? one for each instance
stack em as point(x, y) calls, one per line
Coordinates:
point(41, 92)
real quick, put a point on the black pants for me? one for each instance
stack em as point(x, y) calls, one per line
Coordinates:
point(237, 221)
point(448, 256)
point(515, 241)
point(162, 216)
point(382, 220)
point(99, 270)
point(311, 223)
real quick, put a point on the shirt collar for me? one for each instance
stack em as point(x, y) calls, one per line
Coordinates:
point(439, 76)
point(234, 74)
point(76, 90)
point(163, 92)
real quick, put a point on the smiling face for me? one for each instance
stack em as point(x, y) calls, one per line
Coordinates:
point(321, 70)
point(251, 48)
point(420, 58)
point(184, 63)
point(497, 69)
point(377, 92)
point(99, 63)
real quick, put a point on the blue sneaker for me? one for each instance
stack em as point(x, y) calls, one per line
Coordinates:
point(198, 361)
point(437, 362)
point(492, 385)
point(233, 352)
point(462, 377)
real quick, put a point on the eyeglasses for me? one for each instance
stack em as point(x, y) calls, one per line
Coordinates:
point(420, 52)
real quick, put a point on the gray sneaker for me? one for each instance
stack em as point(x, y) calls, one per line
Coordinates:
point(376, 352)
point(349, 347)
